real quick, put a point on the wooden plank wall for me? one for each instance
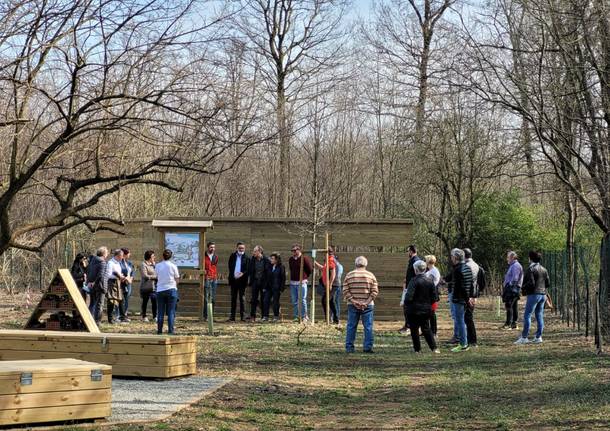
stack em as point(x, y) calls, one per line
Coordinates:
point(381, 241)
point(386, 306)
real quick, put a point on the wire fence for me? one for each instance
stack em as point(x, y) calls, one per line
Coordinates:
point(575, 289)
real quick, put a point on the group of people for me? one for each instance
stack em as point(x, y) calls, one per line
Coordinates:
point(103, 280)
point(266, 277)
point(533, 283)
point(465, 281)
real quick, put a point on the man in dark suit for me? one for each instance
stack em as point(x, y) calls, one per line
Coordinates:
point(239, 268)
point(259, 277)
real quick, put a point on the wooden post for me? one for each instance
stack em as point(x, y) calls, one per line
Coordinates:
point(312, 306)
point(299, 306)
point(208, 294)
point(327, 284)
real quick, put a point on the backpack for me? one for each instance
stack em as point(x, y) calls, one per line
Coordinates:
point(481, 281)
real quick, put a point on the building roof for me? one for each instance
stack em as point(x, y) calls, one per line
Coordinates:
point(199, 224)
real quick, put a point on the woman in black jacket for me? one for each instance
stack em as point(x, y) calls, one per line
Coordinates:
point(420, 296)
point(278, 283)
point(79, 273)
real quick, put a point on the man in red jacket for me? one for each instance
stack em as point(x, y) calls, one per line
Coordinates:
point(211, 278)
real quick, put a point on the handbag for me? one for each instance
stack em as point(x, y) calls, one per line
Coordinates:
point(548, 303)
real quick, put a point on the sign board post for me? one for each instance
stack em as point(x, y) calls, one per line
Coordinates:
point(186, 239)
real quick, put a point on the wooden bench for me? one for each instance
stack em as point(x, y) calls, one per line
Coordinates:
point(52, 390)
point(131, 355)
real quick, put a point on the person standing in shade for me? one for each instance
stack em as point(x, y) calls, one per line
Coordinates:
point(434, 275)
point(332, 273)
point(421, 294)
point(97, 283)
point(211, 278)
point(413, 257)
point(360, 289)
point(298, 285)
point(239, 267)
point(114, 294)
point(474, 294)
point(259, 277)
point(461, 277)
point(535, 287)
point(167, 292)
point(513, 280)
point(277, 283)
point(148, 278)
point(337, 285)
point(79, 273)
point(128, 271)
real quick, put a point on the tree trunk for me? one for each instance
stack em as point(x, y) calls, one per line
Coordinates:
point(420, 110)
point(525, 138)
point(604, 289)
point(571, 255)
point(284, 141)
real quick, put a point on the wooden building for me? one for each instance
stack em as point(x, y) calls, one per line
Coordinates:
point(383, 242)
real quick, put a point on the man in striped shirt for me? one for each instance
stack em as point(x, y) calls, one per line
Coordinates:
point(360, 290)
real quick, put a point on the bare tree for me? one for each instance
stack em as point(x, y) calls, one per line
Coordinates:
point(97, 96)
point(404, 35)
point(563, 96)
point(295, 41)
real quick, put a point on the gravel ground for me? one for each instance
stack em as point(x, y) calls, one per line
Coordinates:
point(136, 400)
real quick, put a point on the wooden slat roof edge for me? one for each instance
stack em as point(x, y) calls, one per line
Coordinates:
point(265, 220)
point(187, 223)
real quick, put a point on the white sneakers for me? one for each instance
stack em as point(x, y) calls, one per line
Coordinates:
point(522, 340)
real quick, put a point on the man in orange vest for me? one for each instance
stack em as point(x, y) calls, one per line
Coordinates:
point(211, 278)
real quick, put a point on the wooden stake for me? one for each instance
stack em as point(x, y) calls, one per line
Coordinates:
point(208, 293)
point(312, 307)
point(300, 307)
point(327, 270)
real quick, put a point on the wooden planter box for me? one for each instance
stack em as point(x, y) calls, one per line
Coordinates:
point(154, 356)
point(53, 390)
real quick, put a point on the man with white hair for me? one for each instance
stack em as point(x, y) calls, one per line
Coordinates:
point(360, 290)
point(420, 295)
point(260, 277)
point(114, 294)
point(461, 278)
point(511, 292)
point(471, 329)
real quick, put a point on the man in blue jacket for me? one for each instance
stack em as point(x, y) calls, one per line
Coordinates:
point(513, 280)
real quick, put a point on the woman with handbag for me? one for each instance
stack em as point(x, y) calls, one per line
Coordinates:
point(535, 287)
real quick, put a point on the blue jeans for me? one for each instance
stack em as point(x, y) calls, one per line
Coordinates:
point(294, 299)
point(166, 304)
point(96, 305)
point(209, 288)
point(460, 312)
point(534, 304)
point(338, 297)
point(127, 289)
point(353, 317)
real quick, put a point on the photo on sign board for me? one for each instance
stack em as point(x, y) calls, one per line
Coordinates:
point(185, 247)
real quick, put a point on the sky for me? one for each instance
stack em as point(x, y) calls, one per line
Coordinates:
point(362, 7)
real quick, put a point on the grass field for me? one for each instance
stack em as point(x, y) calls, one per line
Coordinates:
point(277, 384)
